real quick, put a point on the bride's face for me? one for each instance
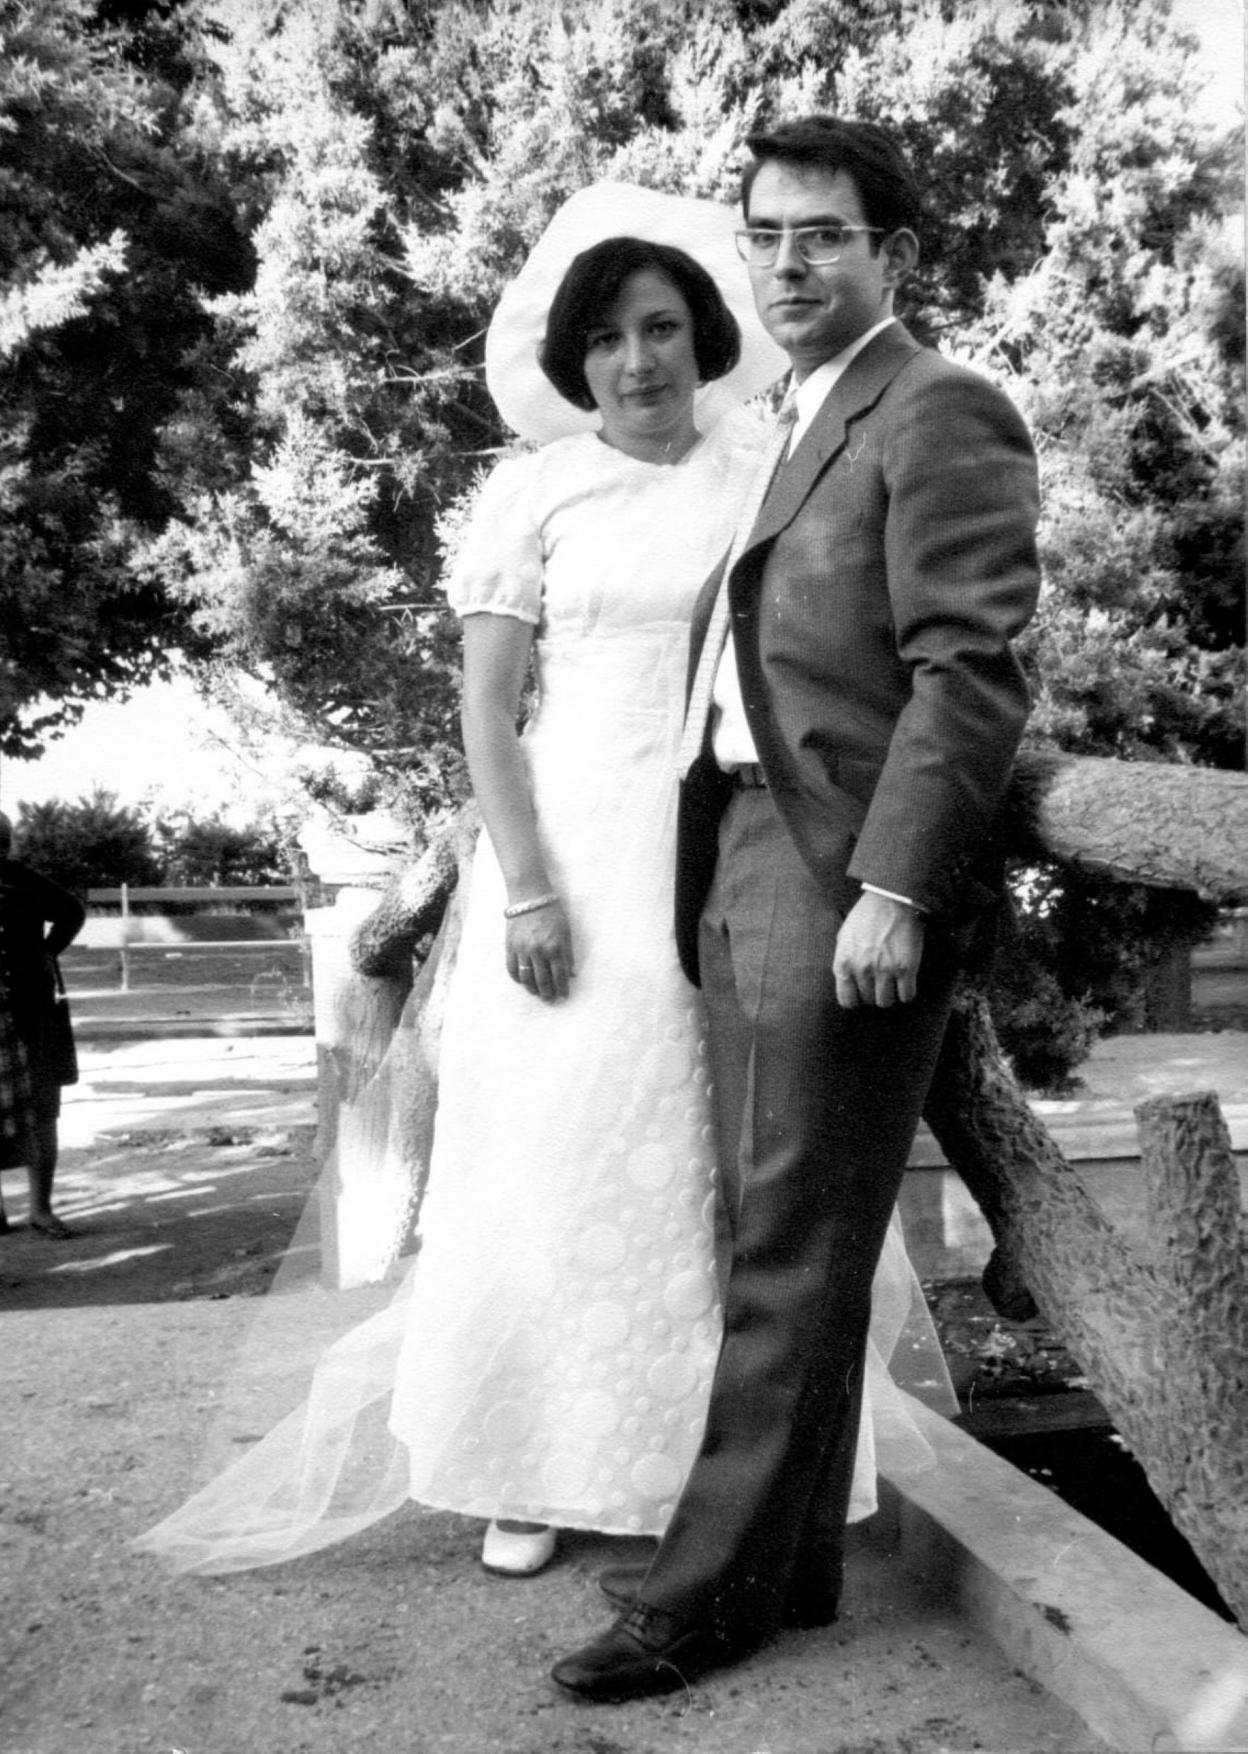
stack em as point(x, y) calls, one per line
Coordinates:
point(642, 370)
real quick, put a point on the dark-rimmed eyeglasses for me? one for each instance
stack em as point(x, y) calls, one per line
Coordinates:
point(817, 245)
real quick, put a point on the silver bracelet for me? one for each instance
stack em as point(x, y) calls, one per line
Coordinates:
point(529, 907)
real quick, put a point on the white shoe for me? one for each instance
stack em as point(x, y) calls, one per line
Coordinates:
point(516, 1553)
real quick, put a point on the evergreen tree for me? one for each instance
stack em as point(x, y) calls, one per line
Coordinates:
point(195, 852)
point(95, 842)
point(106, 231)
point(1124, 345)
point(390, 163)
point(403, 160)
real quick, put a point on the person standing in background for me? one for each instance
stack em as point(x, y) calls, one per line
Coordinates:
point(38, 920)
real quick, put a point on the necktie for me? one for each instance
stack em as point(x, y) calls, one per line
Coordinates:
point(699, 708)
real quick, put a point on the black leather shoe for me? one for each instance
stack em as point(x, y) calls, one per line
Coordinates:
point(628, 1660)
point(807, 1606)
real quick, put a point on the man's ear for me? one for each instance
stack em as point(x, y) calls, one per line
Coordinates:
point(901, 253)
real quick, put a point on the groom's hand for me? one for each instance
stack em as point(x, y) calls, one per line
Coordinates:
point(878, 952)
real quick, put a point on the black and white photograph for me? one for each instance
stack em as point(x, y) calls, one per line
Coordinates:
point(623, 877)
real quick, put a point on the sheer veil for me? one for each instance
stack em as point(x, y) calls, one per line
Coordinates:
point(299, 1454)
point(307, 1401)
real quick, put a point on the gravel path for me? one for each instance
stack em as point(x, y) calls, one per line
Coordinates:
point(116, 1348)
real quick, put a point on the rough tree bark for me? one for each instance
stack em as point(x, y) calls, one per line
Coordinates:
point(412, 908)
point(1162, 1339)
point(1198, 1465)
point(1144, 822)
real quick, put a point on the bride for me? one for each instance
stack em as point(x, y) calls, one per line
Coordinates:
point(547, 1362)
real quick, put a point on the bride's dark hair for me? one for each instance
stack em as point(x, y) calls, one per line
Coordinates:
point(593, 283)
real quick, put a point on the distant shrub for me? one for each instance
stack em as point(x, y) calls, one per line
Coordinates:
point(202, 854)
point(98, 843)
point(95, 843)
point(1077, 962)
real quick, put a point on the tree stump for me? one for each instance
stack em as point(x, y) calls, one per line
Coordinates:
point(1162, 1336)
point(1197, 1439)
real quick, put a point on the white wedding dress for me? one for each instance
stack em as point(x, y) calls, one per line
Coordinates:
point(551, 1353)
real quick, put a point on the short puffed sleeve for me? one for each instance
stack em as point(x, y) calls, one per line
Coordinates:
point(496, 568)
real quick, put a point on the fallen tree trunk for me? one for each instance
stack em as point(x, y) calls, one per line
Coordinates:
point(1166, 826)
point(1161, 1337)
point(1144, 822)
point(411, 909)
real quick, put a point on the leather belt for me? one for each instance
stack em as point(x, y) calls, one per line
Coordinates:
point(750, 777)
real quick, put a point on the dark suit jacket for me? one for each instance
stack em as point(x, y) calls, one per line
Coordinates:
point(872, 610)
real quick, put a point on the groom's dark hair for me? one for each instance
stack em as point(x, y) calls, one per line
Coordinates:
point(880, 170)
point(591, 286)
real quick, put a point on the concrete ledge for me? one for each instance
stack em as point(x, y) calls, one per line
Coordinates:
point(1098, 1122)
point(1142, 1663)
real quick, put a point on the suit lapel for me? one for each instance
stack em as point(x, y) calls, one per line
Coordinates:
point(862, 384)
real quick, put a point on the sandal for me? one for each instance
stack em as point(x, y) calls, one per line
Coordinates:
point(54, 1228)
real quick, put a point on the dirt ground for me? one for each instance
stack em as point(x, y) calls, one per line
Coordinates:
point(116, 1349)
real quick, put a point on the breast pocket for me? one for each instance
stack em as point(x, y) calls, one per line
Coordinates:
point(826, 585)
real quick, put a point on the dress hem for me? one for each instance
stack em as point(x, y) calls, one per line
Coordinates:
point(576, 1524)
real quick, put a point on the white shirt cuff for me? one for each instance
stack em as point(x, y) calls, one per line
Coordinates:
point(903, 899)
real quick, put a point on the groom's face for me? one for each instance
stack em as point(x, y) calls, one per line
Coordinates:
point(815, 311)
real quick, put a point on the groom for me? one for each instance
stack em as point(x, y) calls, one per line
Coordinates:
point(852, 726)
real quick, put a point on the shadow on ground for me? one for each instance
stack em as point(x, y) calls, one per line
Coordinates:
point(159, 1218)
point(120, 1353)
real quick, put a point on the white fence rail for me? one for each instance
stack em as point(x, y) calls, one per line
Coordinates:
point(130, 933)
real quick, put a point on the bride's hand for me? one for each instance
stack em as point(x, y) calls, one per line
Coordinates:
point(539, 951)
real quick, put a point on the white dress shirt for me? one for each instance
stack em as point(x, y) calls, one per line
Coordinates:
point(730, 731)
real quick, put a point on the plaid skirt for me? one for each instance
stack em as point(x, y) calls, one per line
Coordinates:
point(18, 1106)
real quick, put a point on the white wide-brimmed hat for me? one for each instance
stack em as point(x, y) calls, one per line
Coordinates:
point(525, 397)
